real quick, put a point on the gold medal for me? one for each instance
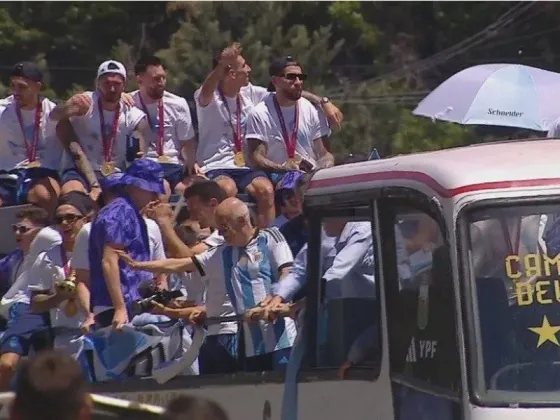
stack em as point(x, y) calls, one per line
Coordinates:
point(239, 159)
point(107, 168)
point(33, 164)
point(163, 159)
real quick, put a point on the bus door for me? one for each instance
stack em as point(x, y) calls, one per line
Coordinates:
point(425, 368)
point(344, 368)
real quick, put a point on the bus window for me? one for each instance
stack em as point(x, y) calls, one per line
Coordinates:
point(420, 303)
point(348, 331)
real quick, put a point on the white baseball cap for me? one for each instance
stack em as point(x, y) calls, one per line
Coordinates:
point(111, 66)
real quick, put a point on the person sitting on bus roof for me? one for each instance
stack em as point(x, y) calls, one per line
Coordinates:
point(30, 149)
point(55, 266)
point(250, 261)
point(120, 225)
point(284, 131)
point(26, 329)
point(94, 128)
point(169, 117)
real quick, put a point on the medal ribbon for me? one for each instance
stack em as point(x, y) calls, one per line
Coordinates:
point(108, 143)
point(290, 141)
point(65, 262)
point(31, 149)
point(161, 128)
point(236, 132)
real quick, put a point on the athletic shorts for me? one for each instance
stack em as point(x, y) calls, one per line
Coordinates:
point(26, 330)
point(14, 192)
point(74, 174)
point(241, 177)
point(173, 173)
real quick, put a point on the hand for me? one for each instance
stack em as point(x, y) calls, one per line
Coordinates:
point(160, 212)
point(64, 294)
point(95, 193)
point(157, 309)
point(229, 55)
point(197, 314)
point(333, 114)
point(343, 369)
point(305, 166)
point(194, 170)
point(291, 165)
point(127, 99)
point(119, 319)
point(144, 211)
point(127, 259)
point(79, 104)
point(86, 325)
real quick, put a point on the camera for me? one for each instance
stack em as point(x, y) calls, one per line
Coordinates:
point(150, 294)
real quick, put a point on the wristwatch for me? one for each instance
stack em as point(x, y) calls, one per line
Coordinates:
point(324, 100)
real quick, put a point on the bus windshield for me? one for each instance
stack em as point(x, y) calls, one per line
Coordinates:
point(514, 264)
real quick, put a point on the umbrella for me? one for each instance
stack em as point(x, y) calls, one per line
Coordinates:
point(510, 95)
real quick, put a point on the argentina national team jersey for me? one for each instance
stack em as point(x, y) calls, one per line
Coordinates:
point(249, 274)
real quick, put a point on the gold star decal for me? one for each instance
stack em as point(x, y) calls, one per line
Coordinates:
point(546, 333)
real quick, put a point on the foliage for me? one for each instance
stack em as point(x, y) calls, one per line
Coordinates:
point(366, 56)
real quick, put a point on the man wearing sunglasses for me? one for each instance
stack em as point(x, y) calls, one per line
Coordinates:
point(25, 328)
point(284, 131)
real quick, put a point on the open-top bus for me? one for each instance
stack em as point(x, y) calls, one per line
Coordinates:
point(466, 266)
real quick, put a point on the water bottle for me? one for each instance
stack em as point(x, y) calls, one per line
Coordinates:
point(132, 148)
point(423, 302)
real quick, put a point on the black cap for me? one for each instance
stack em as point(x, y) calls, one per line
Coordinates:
point(277, 67)
point(27, 70)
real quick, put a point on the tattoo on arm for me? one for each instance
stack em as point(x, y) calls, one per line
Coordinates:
point(257, 154)
point(326, 159)
point(72, 145)
point(188, 150)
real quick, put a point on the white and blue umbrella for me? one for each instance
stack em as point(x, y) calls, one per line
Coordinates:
point(511, 95)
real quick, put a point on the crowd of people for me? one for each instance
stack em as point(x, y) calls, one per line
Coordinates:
point(98, 171)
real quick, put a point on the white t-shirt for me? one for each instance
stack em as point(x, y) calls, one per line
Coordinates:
point(215, 134)
point(45, 273)
point(80, 259)
point(88, 130)
point(14, 153)
point(46, 239)
point(263, 124)
point(5, 102)
point(178, 126)
point(247, 275)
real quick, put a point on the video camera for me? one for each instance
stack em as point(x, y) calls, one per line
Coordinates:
point(151, 294)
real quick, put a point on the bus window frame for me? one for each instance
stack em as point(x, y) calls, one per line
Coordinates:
point(471, 322)
point(392, 205)
point(356, 210)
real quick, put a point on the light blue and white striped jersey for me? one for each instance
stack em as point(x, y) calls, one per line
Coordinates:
point(249, 274)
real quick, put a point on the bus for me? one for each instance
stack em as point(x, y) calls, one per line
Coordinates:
point(465, 321)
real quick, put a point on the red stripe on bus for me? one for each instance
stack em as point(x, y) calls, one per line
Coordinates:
point(431, 183)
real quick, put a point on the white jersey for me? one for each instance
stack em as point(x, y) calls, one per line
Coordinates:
point(46, 239)
point(88, 130)
point(263, 124)
point(13, 151)
point(215, 133)
point(80, 259)
point(248, 274)
point(177, 123)
point(47, 270)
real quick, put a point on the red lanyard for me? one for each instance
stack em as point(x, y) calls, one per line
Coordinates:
point(31, 149)
point(65, 262)
point(161, 128)
point(290, 141)
point(108, 142)
point(236, 132)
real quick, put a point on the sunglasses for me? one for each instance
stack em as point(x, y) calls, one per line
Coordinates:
point(17, 228)
point(68, 218)
point(295, 76)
